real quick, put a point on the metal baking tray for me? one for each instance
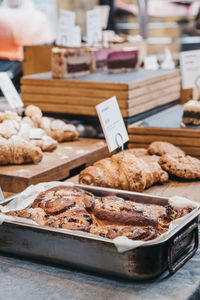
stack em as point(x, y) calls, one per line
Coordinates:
point(91, 253)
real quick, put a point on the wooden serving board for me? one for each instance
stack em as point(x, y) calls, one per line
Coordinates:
point(189, 190)
point(166, 126)
point(55, 165)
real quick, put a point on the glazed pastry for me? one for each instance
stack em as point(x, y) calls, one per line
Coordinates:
point(131, 232)
point(17, 150)
point(160, 148)
point(110, 216)
point(58, 199)
point(35, 214)
point(72, 219)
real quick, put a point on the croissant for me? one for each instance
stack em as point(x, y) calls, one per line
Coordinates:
point(18, 150)
point(124, 171)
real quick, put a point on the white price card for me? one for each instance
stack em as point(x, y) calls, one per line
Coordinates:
point(10, 91)
point(68, 34)
point(190, 69)
point(66, 18)
point(93, 26)
point(69, 38)
point(112, 123)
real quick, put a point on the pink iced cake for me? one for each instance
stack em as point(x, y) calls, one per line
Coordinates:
point(124, 60)
point(100, 58)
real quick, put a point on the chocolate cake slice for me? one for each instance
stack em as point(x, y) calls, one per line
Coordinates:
point(191, 113)
point(124, 60)
point(71, 62)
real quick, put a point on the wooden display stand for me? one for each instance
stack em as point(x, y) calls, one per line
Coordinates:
point(136, 92)
point(166, 126)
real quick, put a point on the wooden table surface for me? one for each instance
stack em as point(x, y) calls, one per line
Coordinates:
point(190, 190)
point(56, 165)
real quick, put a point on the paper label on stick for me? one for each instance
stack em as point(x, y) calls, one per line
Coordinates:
point(190, 69)
point(112, 123)
point(10, 91)
point(68, 34)
point(93, 26)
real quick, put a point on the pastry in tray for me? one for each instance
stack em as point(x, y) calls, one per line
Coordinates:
point(109, 216)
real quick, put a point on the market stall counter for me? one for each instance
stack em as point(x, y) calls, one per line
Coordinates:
point(29, 280)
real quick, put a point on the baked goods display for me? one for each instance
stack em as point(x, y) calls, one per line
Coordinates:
point(17, 150)
point(109, 216)
point(68, 62)
point(124, 60)
point(191, 113)
point(138, 169)
point(24, 138)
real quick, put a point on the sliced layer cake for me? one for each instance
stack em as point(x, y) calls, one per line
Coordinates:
point(191, 113)
point(71, 62)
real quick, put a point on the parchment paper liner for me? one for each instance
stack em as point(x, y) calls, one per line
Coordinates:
point(122, 243)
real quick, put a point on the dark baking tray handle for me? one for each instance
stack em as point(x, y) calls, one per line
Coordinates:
point(175, 267)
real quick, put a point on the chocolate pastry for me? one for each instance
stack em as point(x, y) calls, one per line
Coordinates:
point(117, 210)
point(186, 167)
point(35, 214)
point(58, 199)
point(161, 148)
point(73, 219)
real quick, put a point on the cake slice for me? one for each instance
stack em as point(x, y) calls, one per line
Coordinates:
point(100, 58)
point(71, 62)
point(191, 113)
point(124, 60)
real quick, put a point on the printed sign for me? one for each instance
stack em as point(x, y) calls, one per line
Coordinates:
point(93, 26)
point(190, 69)
point(68, 34)
point(10, 91)
point(112, 124)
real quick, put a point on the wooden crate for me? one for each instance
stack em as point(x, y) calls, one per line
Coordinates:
point(166, 127)
point(68, 158)
point(136, 92)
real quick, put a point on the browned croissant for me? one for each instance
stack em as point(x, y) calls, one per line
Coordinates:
point(124, 171)
point(18, 150)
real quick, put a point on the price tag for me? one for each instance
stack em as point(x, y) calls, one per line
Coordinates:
point(66, 18)
point(151, 63)
point(10, 91)
point(69, 38)
point(112, 123)
point(66, 29)
point(190, 69)
point(93, 26)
